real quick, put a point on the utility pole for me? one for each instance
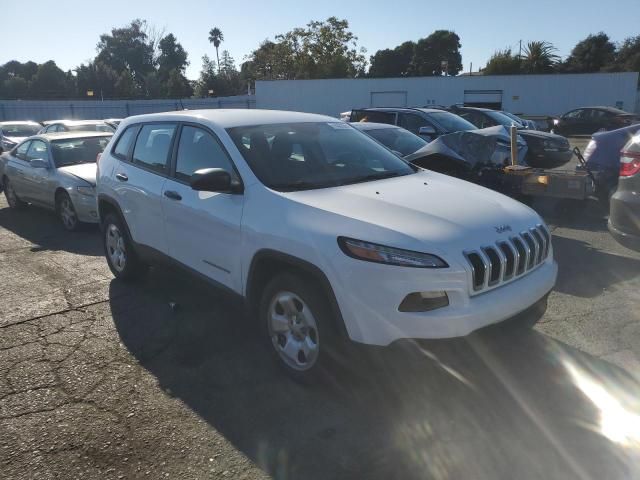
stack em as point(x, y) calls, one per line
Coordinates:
point(470, 68)
point(520, 56)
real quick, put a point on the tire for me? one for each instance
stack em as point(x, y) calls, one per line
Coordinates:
point(12, 198)
point(121, 257)
point(299, 328)
point(66, 212)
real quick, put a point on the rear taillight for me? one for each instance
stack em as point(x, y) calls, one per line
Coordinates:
point(629, 163)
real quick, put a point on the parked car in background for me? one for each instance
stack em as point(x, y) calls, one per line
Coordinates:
point(429, 123)
point(602, 157)
point(12, 133)
point(113, 122)
point(624, 214)
point(475, 155)
point(55, 171)
point(78, 126)
point(545, 149)
point(325, 234)
point(529, 124)
point(588, 120)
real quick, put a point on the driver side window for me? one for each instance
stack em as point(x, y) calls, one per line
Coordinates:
point(412, 122)
point(198, 149)
point(37, 150)
point(21, 151)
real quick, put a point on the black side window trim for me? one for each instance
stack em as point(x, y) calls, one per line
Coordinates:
point(127, 157)
point(141, 166)
point(176, 143)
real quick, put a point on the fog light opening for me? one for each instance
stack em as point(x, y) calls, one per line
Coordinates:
point(424, 301)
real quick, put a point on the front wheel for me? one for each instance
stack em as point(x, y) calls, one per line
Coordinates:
point(118, 249)
point(11, 196)
point(299, 328)
point(67, 212)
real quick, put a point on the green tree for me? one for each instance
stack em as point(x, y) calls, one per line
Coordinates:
point(502, 62)
point(128, 49)
point(97, 77)
point(177, 86)
point(324, 49)
point(395, 62)
point(539, 57)
point(172, 57)
point(216, 37)
point(50, 82)
point(628, 57)
point(440, 46)
point(15, 87)
point(593, 54)
point(126, 86)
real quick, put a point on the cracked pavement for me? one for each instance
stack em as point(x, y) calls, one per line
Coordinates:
point(99, 379)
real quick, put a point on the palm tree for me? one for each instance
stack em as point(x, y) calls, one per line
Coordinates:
point(216, 37)
point(539, 57)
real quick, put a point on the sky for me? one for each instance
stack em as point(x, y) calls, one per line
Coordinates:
point(68, 32)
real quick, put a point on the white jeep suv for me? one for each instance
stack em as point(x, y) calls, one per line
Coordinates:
point(326, 234)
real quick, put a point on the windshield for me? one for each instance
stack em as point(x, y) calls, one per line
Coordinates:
point(513, 117)
point(397, 139)
point(90, 127)
point(451, 122)
point(19, 130)
point(73, 151)
point(304, 156)
point(503, 119)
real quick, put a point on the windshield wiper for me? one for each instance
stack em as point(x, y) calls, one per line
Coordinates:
point(300, 185)
point(371, 177)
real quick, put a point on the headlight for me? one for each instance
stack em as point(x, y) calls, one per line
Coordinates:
point(371, 252)
point(88, 191)
point(551, 145)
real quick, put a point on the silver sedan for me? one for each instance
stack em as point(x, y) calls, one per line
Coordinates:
point(55, 171)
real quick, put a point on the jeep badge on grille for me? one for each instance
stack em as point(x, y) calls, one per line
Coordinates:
point(503, 228)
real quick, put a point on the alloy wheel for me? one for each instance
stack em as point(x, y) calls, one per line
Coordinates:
point(68, 214)
point(293, 331)
point(114, 240)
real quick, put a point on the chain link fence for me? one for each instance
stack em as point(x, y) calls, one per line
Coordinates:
point(42, 110)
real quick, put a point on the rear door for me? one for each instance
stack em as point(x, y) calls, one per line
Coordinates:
point(203, 228)
point(139, 182)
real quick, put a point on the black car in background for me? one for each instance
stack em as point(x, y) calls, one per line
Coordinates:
point(624, 213)
point(428, 123)
point(588, 120)
point(546, 150)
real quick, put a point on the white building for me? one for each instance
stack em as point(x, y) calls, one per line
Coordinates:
point(529, 95)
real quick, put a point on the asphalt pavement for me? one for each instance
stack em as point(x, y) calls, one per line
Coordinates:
point(168, 379)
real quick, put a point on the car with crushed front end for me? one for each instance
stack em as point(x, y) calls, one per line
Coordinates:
point(327, 236)
point(56, 171)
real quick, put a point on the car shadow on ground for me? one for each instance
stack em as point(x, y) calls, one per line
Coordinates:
point(507, 402)
point(587, 215)
point(585, 271)
point(45, 231)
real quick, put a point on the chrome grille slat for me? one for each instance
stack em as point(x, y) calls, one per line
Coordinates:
point(507, 260)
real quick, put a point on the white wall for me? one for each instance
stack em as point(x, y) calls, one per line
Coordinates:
point(522, 94)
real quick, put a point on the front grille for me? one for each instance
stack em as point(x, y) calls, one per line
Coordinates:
point(494, 265)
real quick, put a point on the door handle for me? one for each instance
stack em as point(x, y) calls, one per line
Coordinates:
point(122, 177)
point(172, 195)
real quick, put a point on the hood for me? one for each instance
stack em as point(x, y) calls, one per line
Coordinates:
point(84, 171)
point(425, 208)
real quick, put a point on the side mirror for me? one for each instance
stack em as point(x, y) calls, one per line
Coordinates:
point(214, 180)
point(39, 163)
point(428, 131)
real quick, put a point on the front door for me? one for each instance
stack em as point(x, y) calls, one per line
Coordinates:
point(203, 228)
point(38, 179)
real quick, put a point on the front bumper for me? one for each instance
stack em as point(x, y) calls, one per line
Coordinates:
point(369, 299)
point(86, 207)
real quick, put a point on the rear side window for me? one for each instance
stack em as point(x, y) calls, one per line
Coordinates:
point(123, 147)
point(373, 116)
point(153, 145)
point(198, 149)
